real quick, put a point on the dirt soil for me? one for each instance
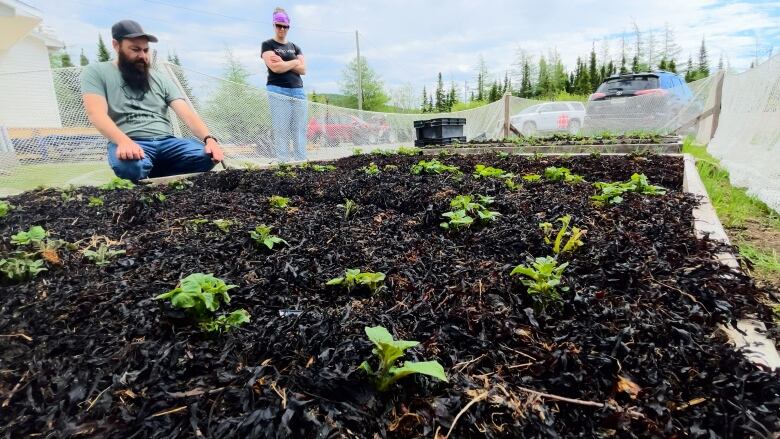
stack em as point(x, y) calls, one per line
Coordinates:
point(632, 351)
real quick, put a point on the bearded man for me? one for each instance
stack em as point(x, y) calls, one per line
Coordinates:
point(128, 103)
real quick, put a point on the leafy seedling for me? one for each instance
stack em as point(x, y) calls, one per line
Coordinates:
point(159, 196)
point(532, 178)
point(543, 280)
point(388, 351)
point(349, 207)
point(354, 278)
point(226, 322)
point(502, 155)
point(390, 168)
point(201, 295)
point(278, 202)
point(35, 235)
point(195, 223)
point(510, 184)
point(22, 268)
point(103, 255)
point(223, 225)
point(357, 151)
point(95, 201)
point(117, 183)
point(456, 219)
point(180, 185)
point(553, 173)
point(409, 151)
point(466, 210)
point(482, 171)
point(382, 152)
point(573, 242)
point(5, 207)
point(612, 193)
point(371, 169)
point(262, 236)
point(433, 167)
point(323, 168)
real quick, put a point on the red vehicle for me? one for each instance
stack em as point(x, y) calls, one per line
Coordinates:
point(345, 128)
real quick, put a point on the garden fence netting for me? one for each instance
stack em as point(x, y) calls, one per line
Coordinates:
point(46, 138)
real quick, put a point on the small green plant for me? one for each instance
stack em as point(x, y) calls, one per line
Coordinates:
point(117, 183)
point(5, 207)
point(466, 210)
point(103, 255)
point(433, 167)
point(388, 351)
point(225, 323)
point(357, 151)
point(612, 193)
point(180, 185)
point(95, 201)
point(195, 223)
point(532, 178)
point(262, 236)
point(371, 169)
point(388, 168)
point(201, 295)
point(278, 202)
point(543, 280)
point(349, 206)
point(35, 235)
point(323, 168)
point(573, 242)
point(159, 196)
point(482, 171)
point(223, 224)
point(553, 173)
point(68, 194)
point(382, 152)
point(354, 278)
point(510, 184)
point(21, 268)
point(502, 155)
point(410, 151)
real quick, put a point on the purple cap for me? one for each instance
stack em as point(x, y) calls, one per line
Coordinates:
point(281, 18)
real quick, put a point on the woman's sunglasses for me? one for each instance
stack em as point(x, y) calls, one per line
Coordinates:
point(281, 26)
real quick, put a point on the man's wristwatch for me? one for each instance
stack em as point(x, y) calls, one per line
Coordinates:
point(205, 139)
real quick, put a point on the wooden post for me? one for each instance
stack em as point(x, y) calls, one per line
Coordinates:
point(506, 115)
point(718, 101)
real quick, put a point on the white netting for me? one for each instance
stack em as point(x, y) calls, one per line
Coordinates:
point(36, 151)
point(747, 140)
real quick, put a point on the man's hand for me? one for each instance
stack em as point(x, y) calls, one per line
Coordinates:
point(129, 150)
point(212, 148)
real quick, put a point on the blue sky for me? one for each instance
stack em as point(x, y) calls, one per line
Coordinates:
point(408, 42)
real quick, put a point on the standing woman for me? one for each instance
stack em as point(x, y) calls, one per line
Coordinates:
point(286, 97)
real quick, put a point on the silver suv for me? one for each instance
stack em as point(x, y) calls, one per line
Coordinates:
point(550, 117)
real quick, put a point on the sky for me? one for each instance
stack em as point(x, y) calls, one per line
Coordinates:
point(409, 42)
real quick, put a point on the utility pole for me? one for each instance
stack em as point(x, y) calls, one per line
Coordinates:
point(359, 73)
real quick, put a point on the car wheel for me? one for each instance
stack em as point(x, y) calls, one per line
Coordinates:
point(529, 129)
point(574, 126)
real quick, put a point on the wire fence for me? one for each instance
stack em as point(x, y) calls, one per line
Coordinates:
point(46, 138)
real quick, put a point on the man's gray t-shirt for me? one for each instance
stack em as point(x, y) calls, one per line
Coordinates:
point(137, 114)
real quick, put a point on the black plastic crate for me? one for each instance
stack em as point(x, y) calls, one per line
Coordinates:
point(434, 131)
point(440, 142)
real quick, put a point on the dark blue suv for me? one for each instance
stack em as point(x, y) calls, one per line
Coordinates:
point(660, 100)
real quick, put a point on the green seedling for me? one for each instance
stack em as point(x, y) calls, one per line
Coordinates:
point(553, 173)
point(388, 351)
point(278, 202)
point(512, 185)
point(5, 207)
point(357, 151)
point(21, 268)
point(433, 167)
point(502, 155)
point(117, 183)
point(103, 255)
point(457, 219)
point(262, 236)
point(573, 242)
point(382, 152)
point(410, 151)
point(532, 178)
point(543, 280)
point(390, 168)
point(223, 224)
point(225, 323)
point(35, 235)
point(353, 278)
point(200, 295)
point(349, 206)
point(466, 210)
point(612, 193)
point(323, 168)
point(371, 169)
point(482, 171)
point(159, 196)
point(180, 185)
point(196, 223)
point(95, 201)
point(67, 194)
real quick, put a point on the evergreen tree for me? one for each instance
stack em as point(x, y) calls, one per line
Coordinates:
point(482, 79)
point(526, 89)
point(635, 65)
point(507, 84)
point(440, 102)
point(662, 65)
point(543, 84)
point(690, 74)
point(424, 106)
point(452, 97)
point(672, 67)
point(102, 53)
point(65, 59)
point(495, 92)
point(583, 83)
point(703, 68)
point(83, 59)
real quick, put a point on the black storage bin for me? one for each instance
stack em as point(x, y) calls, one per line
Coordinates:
point(441, 131)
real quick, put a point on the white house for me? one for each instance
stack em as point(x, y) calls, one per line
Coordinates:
point(27, 98)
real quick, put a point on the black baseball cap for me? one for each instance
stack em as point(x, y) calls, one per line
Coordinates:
point(129, 29)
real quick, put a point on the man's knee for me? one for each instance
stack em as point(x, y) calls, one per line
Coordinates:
point(196, 157)
point(132, 170)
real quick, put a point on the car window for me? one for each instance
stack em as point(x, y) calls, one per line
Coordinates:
point(633, 83)
point(531, 109)
point(554, 107)
point(577, 106)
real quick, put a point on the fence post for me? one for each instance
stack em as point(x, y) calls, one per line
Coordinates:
point(506, 115)
point(718, 101)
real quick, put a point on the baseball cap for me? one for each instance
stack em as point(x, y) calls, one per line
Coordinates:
point(129, 29)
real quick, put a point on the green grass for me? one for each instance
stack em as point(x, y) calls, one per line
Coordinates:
point(733, 205)
point(27, 177)
point(763, 260)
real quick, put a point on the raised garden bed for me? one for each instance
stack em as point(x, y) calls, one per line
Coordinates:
point(632, 350)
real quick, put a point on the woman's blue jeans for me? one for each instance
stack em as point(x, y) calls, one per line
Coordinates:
point(289, 110)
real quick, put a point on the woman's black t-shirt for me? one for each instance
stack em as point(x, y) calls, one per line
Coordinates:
point(287, 52)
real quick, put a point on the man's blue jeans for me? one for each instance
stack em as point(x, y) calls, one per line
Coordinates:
point(289, 117)
point(164, 156)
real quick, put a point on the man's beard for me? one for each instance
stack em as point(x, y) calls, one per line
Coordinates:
point(135, 74)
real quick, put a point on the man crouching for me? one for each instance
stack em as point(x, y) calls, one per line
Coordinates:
point(128, 103)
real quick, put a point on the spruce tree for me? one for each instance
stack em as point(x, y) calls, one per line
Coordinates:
point(65, 59)
point(592, 70)
point(83, 59)
point(424, 107)
point(440, 103)
point(703, 68)
point(526, 90)
point(102, 53)
point(672, 67)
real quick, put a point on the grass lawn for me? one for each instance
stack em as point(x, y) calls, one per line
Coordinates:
point(752, 225)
